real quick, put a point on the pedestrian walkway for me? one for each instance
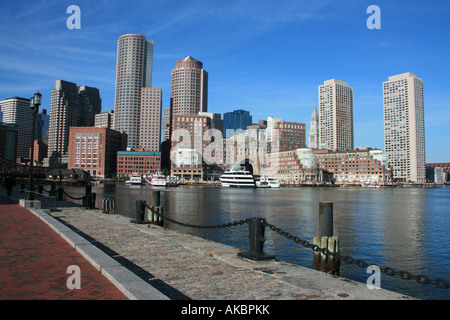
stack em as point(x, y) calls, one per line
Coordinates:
point(34, 260)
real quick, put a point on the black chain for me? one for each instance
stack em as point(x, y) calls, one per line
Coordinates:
point(405, 275)
point(225, 225)
point(73, 197)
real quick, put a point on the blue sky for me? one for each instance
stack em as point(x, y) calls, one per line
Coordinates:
point(267, 57)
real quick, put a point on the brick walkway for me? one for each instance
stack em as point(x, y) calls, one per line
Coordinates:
point(34, 261)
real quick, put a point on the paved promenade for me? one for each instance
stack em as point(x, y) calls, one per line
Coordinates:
point(34, 261)
point(178, 266)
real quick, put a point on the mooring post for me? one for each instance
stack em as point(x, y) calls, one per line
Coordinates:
point(256, 230)
point(140, 212)
point(156, 198)
point(325, 219)
point(156, 211)
point(326, 240)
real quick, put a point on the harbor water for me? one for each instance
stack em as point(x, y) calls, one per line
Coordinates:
point(406, 229)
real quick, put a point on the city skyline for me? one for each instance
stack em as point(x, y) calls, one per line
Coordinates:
point(265, 57)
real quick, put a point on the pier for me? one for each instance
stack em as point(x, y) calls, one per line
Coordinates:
point(184, 267)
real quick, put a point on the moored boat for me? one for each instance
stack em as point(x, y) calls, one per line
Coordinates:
point(237, 177)
point(159, 180)
point(136, 180)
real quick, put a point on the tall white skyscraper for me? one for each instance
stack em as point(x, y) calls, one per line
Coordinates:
point(404, 127)
point(336, 115)
point(133, 72)
point(313, 136)
point(17, 111)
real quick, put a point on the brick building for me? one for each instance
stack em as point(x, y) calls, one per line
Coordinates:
point(95, 150)
point(138, 161)
point(360, 166)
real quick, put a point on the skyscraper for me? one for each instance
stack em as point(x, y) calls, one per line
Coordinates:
point(238, 119)
point(189, 88)
point(68, 108)
point(17, 111)
point(133, 72)
point(313, 135)
point(151, 111)
point(404, 127)
point(336, 115)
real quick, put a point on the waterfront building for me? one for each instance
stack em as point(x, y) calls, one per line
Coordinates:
point(336, 115)
point(17, 111)
point(189, 87)
point(291, 135)
point(247, 149)
point(94, 150)
point(189, 132)
point(360, 166)
point(297, 165)
point(313, 137)
point(187, 164)
point(404, 127)
point(151, 112)
point(9, 137)
point(445, 170)
point(133, 72)
point(237, 119)
point(138, 161)
point(105, 119)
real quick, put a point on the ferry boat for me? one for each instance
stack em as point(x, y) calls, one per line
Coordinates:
point(267, 182)
point(136, 180)
point(159, 180)
point(237, 177)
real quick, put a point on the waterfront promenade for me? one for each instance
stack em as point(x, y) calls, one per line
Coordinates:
point(172, 265)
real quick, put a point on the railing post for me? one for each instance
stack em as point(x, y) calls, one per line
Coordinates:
point(60, 193)
point(92, 198)
point(256, 230)
point(52, 192)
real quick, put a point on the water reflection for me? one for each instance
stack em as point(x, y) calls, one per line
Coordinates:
point(400, 228)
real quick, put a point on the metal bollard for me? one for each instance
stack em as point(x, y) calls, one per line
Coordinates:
point(92, 198)
point(325, 219)
point(256, 230)
point(156, 198)
point(140, 212)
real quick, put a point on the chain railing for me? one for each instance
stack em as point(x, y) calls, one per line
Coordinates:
point(405, 275)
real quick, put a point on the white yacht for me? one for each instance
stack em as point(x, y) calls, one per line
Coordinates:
point(237, 177)
point(267, 182)
point(159, 180)
point(136, 180)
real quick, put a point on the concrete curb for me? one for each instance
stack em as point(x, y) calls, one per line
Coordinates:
point(126, 281)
